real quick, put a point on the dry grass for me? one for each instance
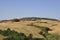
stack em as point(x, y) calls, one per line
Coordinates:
point(22, 27)
point(1, 37)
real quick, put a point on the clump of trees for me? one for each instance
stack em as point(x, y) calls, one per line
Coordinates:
point(13, 35)
point(15, 20)
point(48, 36)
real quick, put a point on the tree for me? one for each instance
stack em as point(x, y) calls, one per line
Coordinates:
point(30, 37)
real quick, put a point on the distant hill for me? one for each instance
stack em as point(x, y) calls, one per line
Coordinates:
point(30, 18)
point(27, 25)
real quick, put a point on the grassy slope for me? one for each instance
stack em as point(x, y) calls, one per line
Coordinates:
point(1, 37)
point(22, 26)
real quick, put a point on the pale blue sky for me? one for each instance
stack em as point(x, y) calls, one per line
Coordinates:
point(29, 8)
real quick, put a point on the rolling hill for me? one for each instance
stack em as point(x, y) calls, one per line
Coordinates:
point(27, 25)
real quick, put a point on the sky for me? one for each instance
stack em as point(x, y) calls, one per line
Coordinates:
point(29, 8)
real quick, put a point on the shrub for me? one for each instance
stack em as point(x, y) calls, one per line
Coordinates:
point(15, 20)
point(53, 37)
point(13, 35)
point(43, 22)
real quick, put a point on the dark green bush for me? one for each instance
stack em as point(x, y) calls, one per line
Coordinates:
point(13, 35)
point(43, 22)
point(15, 20)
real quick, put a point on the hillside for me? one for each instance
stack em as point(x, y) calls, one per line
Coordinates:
point(26, 25)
